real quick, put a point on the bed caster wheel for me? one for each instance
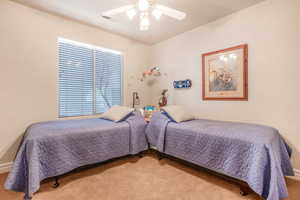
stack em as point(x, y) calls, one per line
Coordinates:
point(27, 197)
point(243, 193)
point(56, 183)
point(160, 157)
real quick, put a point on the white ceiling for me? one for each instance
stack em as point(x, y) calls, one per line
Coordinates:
point(199, 12)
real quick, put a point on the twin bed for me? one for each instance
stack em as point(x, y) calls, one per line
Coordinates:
point(255, 154)
point(53, 148)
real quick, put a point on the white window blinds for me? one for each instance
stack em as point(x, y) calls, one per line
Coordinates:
point(90, 79)
point(108, 80)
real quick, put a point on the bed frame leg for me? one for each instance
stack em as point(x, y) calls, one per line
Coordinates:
point(56, 183)
point(159, 155)
point(244, 191)
point(140, 155)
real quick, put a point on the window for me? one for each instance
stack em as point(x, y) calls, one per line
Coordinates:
point(90, 79)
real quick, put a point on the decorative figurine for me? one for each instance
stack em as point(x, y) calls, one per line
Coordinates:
point(155, 71)
point(163, 101)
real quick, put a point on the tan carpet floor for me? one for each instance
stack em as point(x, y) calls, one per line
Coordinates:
point(142, 179)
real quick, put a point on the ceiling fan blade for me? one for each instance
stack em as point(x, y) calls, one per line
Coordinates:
point(171, 12)
point(110, 13)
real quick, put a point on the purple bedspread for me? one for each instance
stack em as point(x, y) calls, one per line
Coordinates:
point(255, 154)
point(56, 147)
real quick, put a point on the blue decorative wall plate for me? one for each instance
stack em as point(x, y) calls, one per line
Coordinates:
point(182, 84)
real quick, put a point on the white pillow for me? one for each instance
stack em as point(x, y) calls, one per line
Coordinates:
point(117, 113)
point(178, 113)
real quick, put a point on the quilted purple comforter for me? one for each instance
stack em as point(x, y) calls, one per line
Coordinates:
point(56, 147)
point(255, 154)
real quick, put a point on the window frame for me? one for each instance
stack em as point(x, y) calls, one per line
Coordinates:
point(93, 47)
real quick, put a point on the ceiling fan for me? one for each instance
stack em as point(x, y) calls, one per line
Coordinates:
point(144, 8)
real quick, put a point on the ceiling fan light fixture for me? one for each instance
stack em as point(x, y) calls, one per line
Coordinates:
point(157, 13)
point(144, 28)
point(145, 8)
point(144, 21)
point(131, 13)
point(143, 5)
point(172, 12)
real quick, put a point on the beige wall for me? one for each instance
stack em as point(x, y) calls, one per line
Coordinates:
point(28, 62)
point(272, 31)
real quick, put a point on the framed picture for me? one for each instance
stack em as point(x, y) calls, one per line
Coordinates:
point(225, 74)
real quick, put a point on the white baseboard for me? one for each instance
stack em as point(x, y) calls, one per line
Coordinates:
point(5, 167)
point(297, 174)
